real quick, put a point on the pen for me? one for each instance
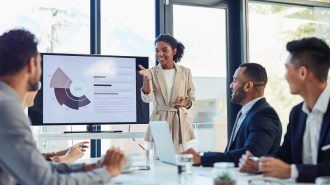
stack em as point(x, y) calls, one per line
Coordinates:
point(326, 147)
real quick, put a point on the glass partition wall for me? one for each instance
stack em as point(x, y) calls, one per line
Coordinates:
point(206, 56)
point(131, 33)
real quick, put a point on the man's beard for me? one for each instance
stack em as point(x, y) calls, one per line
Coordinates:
point(33, 85)
point(238, 96)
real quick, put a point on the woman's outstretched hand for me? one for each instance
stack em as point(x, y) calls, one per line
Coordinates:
point(144, 72)
point(146, 79)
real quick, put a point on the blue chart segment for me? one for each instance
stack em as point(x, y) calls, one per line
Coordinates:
point(61, 84)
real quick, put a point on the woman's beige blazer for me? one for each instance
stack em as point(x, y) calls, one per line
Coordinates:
point(180, 122)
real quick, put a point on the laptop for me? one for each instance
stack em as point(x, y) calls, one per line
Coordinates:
point(163, 141)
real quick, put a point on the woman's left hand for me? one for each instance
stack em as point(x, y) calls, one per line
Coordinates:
point(181, 102)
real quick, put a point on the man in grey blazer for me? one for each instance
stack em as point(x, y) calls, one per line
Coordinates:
point(20, 160)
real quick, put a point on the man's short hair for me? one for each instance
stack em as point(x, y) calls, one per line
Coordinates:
point(313, 53)
point(256, 73)
point(16, 48)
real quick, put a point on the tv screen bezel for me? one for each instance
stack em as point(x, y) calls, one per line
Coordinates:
point(35, 112)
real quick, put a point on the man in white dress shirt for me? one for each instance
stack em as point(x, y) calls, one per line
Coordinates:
point(305, 152)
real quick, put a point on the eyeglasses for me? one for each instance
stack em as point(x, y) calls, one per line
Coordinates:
point(265, 181)
point(256, 84)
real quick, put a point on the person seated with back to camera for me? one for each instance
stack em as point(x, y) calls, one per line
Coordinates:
point(22, 162)
point(68, 155)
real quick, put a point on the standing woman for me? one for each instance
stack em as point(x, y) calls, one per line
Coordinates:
point(169, 86)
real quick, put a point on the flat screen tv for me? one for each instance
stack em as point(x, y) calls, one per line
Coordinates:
point(82, 89)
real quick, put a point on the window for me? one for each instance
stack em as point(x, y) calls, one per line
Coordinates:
point(271, 26)
point(127, 29)
point(61, 26)
point(206, 56)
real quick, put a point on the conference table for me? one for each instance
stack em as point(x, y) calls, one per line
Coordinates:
point(166, 174)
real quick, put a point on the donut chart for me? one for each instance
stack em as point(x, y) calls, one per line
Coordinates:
point(64, 94)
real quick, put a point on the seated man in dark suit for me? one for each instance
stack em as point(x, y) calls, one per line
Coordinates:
point(305, 152)
point(257, 127)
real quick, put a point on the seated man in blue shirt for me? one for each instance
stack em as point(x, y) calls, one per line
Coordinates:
point(305, 152)
point(20, 160)
point(257, 127)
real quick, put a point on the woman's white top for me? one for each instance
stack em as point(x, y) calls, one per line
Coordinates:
point(169, 75)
